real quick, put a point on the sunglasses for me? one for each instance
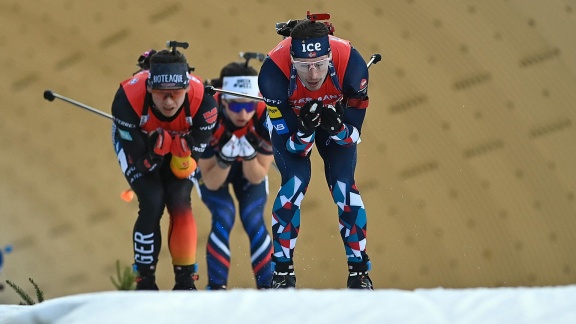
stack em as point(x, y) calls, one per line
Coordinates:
point(304, 66)
point(237, 106)
point(164, 94)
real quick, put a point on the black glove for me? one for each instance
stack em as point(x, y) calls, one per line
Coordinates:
point(331, 118)
point(253, 139)
point(259, 142)
point(309, 117)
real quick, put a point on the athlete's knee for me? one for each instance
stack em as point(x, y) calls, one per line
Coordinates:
point(179, 198)
point(342, 189)
point(297, 183)
point(151, 204)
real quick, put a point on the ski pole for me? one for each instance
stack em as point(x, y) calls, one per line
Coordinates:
point(212, 91)
point(51, 95)
point(375, 58)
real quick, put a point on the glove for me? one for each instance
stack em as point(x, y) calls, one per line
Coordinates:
point(182, 167)
point(309, 117)
point(179, 147)
point(229, 148)
point(331, 118)
point(254, 139)
point(160, 141)
point(248, 146)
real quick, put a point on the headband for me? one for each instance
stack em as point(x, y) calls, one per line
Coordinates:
point(310, 48)
point(168, 76)
point(242, 84)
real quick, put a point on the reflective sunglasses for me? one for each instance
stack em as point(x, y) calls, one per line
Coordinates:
point(304, 66)
point(238, 106)
point(174, 94)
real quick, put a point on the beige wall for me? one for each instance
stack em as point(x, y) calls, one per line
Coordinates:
point(465, 167)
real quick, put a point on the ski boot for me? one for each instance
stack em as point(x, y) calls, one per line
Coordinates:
point(358, 274)
point(145, 276)
point(185, 277)
point(284, 276)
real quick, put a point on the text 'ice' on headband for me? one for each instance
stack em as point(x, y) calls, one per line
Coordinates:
point(310, 48)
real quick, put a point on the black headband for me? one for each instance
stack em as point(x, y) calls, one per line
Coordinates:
point(168, 76)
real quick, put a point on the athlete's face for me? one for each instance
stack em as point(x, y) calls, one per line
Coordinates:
point(168, 101)
point(240, 110)
point(312, 71)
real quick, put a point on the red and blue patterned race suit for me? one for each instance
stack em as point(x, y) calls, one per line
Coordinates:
point(285, 94)
point(251, 202)
point(153, 182)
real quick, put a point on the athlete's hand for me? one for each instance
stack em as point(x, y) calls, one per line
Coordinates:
point(160, 142)
point(331, 118)
point(230, 149)
point(180, 147)
point(254, 139)
point(309, 117)
point(248, 146)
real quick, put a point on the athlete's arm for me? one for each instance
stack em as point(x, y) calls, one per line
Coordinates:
point(214, 174)
point(274, 86)
point(255, 170)
point(133, 140)
point(203, 123)
point(355, 101)
point(355, 90)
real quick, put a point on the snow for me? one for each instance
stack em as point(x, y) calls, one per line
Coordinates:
point(439, 305)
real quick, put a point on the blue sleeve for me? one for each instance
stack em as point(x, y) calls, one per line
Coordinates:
point(355, 84)
point(273, 84)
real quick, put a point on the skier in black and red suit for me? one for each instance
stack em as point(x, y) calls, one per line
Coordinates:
point(163, 120)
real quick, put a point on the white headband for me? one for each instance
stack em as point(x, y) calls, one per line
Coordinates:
point(242, 84)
